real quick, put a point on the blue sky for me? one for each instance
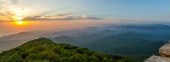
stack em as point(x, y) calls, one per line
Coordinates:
point(148, 9)
point(129, 9)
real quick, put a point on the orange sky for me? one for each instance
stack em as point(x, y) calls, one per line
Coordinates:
point(7, 28)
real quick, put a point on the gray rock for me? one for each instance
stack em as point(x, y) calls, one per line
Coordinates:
point(164, 52)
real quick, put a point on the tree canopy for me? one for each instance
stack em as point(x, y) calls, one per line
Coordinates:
point(45, 50)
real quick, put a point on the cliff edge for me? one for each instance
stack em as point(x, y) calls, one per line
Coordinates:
point(164, 54)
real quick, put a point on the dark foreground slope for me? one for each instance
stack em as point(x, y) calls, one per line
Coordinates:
point(44, 50)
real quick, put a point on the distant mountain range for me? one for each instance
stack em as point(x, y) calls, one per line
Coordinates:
point(125, 44)
point(137, 41)
point(149, 27)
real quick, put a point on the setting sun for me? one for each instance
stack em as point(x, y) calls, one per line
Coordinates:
point(20, 23)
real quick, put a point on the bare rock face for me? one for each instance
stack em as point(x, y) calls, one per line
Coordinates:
point(157, 59)
point(164, 52)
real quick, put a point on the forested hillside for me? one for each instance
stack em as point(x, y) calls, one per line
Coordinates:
point(45, 50)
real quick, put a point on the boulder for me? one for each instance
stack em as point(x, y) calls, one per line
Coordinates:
point(165, 50)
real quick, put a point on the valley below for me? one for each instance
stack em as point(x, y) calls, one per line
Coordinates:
point(136, 41)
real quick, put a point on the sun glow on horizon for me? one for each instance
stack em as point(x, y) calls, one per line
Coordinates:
point(20, 23)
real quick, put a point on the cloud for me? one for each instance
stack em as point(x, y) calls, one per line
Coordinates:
point(6, 14)
point(14, 2)
point(60, 17)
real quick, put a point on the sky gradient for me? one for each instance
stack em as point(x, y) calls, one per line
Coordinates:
point(108, 10)
point(128, 9)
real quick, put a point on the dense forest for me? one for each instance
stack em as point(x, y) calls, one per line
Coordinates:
point(45, 50)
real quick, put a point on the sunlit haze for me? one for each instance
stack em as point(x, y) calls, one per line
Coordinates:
point(18, 15)
point(23, 26)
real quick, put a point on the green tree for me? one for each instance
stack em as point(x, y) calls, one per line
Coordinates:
point(78, 58)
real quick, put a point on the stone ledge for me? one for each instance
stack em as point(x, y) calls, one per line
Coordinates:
point(165, 50)
point(157, 59)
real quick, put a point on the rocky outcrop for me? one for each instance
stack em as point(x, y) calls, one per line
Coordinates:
point(165, 50)
point(164, 54)
point(157, 59)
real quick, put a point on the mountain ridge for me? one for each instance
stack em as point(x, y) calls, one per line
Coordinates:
point(45, 50)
